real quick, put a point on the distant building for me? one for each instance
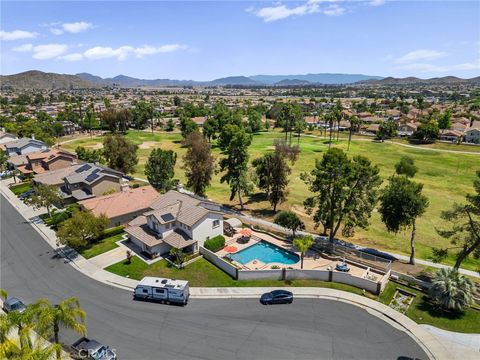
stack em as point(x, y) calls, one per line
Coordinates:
point(24, 146)
point(41, 161)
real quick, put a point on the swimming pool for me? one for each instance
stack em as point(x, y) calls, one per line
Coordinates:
point(266, 253)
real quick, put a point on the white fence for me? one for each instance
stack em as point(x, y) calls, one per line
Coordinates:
point(260, 274)
point(219, 262)
point(323, 275)
point(359, 282)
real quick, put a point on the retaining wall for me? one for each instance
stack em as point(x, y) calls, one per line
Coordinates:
point(219, 262)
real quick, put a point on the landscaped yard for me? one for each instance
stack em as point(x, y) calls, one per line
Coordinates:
point(102, 246)
point(202, 273)
point(21, 188)
point(422, 311)
point(447, 177)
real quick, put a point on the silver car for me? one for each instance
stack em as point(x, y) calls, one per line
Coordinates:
point(14, 304)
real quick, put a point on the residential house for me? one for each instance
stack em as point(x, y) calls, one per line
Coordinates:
point(41, 161)
point(69, 128)
point(176, 220)
point(55, 177)
point(472, 135)
point(7, 137)
point(407, 129)
point(90, 180)
point(199, 120)
point(451, 135)
point(24, 146)
point(123, 206)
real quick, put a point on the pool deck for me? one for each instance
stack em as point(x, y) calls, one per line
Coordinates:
point(312, 260)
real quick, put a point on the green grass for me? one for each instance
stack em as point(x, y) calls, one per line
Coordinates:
point(422, 311)
point(21, 188)
point(447, 178)
point(101, 247)
point(202, 273)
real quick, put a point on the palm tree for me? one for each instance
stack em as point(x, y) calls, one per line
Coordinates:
point(303, 244)
point(21, 323)
point(451, 290)
point(40, 350)
point(67, 314)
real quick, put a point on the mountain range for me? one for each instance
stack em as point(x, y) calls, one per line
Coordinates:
point(40, 80)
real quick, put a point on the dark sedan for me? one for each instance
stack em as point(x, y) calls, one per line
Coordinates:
point(277, 297)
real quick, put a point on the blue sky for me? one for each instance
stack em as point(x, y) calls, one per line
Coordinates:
point(203, 40)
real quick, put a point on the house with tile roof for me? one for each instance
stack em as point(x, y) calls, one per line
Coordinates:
point(176, 220)
point(24, 146)
point(41, 161)
point(472, 135)
point(124, 206)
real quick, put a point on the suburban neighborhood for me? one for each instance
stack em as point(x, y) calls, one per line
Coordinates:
point(167, 191)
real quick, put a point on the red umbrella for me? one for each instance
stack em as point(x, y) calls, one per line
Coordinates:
point(246, 232)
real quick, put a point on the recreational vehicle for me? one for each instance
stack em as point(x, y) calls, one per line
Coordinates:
point(162, 290)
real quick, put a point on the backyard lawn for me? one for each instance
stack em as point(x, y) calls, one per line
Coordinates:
point(422, 311)
point(21, 188)
point(447, 178)
point(101, 247)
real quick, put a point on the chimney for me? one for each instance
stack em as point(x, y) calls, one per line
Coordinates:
point(33, 136)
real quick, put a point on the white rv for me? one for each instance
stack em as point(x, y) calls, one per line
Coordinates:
point(163, 290)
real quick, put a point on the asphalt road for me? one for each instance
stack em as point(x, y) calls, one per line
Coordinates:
point(205, 329)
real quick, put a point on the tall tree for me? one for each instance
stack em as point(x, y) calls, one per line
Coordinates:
point(234, 145)
point(345, 192)
point(187, 126)
point(289, 220)
point(160, 169)
point(120, 153)
point(210, 128)
point(401, 203)
point(45, 196)
point(254, 121)
point(198, 163)
point(67, 314)
point(81, 229)
point(303, 244)
point(465, 230)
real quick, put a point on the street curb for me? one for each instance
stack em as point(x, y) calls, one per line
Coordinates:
point(427, 341)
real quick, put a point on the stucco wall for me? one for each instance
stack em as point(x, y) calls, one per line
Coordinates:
point(260, 274)
point(204, 228)
point(220, 263)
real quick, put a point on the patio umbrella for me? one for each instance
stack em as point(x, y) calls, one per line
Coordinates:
point(246, 232)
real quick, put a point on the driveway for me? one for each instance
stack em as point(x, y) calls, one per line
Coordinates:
point(205, 329)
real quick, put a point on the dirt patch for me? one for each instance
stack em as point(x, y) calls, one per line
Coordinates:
point(148, 145)
point(96, 146)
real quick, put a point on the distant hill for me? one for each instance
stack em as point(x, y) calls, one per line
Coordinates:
point(235, 80)
point(40, 80)
point(292, 82)
point(446, 80)
point(321, 78)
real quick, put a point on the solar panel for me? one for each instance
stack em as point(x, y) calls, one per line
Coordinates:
point(92, 177)
point(83, 168)
point(167, 217)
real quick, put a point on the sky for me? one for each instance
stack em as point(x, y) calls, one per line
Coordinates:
point(205, 40)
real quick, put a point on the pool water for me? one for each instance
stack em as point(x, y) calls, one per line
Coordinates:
point(266, 253)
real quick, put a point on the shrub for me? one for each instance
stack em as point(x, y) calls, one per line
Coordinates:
point(110, 232)
point(214, 244)
point(59, 217)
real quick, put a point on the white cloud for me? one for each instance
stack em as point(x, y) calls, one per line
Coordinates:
point(421, 54)
point(49, 51)
point(43, 52)
point(422, 67)
point(71, 57)
point(74, 28)
point(23, 48)
point(278, 12)
point(17, 35)
point(100, 52)
point(377, 2)
point(122, 52)
point(334, 10)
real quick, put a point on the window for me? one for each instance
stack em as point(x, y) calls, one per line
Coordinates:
point(159, 291)
point(145, 291)
point(167, 225)
point(216, 223)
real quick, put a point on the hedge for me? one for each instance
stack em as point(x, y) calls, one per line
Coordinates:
point(110, 232)
point(214, 244)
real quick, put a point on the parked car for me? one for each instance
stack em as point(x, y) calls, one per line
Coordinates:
point(26, 194)
point(14, 304)
point(6, 173)
point(91, 349)
point(277, 297)
point(162, 290)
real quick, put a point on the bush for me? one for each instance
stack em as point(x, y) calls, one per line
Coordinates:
point(214, 244)
point(59, 217)
point(110, 232)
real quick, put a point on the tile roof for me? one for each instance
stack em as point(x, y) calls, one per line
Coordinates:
point(122, 203)
point(178, 239)
point(89, 173)
point(20, 143)
point(144, 234)
point(55, 177)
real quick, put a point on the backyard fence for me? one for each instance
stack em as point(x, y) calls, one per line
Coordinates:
point(219, 262)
